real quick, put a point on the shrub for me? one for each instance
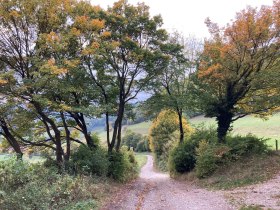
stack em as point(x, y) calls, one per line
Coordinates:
point(82, 205)
point(143, 145)
point(208, 158)
point(163, 133)
point(131, 139)
point(246, 145)
point(15, 173)
point(183, 157)
point(123, 165)
point(87, 161)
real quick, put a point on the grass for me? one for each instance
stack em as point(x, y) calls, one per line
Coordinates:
point(262, 128)
point(246, 171)
point(141, 159)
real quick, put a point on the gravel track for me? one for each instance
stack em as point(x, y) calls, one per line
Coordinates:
point(157, 191)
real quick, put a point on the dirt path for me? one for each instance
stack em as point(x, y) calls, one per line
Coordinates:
point(265, 195)
point(156, 191)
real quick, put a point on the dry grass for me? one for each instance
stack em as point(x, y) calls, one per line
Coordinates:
point(246, 171)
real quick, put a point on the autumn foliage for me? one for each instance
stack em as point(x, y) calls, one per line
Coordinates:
point(238, 66)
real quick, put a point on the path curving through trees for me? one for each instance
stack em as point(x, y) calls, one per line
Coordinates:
point(157, 191)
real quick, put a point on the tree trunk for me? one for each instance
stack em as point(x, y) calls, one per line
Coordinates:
point(87, 135)
point(59, 149)
point(107, 129)
point(180, 116)
point(67, 137)
point(224, 120)
point(119, 137)
point(11, 139)
point(116, 138)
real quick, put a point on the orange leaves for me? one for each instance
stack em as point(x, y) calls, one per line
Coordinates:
point(76, 32)
point(106, 34)
point(85, 23)
point(52, 37)
point(91, 49)
point(14, 14)
point(214, 71)
point(3, 82)
point(52, 68)
point(97, 24)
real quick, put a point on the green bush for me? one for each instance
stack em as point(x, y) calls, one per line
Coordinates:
point(33, 186)
point(208, 158)
point(143, 145)
point(15, 173)
point(246, 145)
point(183, 157)
point(123, 166)
point(82, 205)
point(87, 161)
point(131, 139)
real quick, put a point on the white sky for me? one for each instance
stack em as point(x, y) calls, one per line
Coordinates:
point(187, 16)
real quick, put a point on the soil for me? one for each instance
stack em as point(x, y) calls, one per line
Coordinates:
point(157, 191)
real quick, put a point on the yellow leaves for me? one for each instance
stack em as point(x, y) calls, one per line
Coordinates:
point(72, 63)
point(14, 14)
point(91, 49)
point(3, 81)
point(85, 23)
point(212, 70)
point(52, 37)
point(106, 34)
point(58, 71)
point(53, 69)
point(115, 44)
point(95, 45)
point(97, 24)
point(64, 107)
point(76, 32)
point(81, 21)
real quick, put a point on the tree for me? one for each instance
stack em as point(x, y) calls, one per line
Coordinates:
point(237, 70)
point(164, 132)
point(122, 58)
point(172, 87)
point(34, 64)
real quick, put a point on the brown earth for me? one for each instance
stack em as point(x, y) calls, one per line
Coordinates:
point(157, 191)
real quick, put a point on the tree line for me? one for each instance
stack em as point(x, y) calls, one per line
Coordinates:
point(62, 61)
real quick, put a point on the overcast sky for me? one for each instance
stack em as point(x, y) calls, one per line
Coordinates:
point(187, 16)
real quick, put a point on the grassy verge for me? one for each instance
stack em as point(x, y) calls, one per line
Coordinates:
point(141, 159)
point(246, 171)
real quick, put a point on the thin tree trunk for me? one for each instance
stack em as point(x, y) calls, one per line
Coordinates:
point(180, 116)
point(67, 137)
point(107, 129)
point(119, 137)
point(114, 136)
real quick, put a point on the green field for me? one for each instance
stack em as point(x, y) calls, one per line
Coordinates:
point(262, 128)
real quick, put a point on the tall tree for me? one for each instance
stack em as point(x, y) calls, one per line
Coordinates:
point(123, 58)
point(172, 87)
point(237, 68)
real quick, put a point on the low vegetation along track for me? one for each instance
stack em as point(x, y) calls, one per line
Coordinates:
point(156, 191)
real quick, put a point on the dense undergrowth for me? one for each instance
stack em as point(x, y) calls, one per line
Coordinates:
point(240, 161)
point(85, 181)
